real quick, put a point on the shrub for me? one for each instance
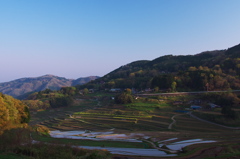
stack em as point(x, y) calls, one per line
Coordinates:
point(42, 130)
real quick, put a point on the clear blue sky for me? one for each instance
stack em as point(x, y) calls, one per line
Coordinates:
point(78, 38)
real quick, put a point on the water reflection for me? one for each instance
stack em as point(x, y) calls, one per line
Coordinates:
point(132, 137)
point(180, 144)
point(133, 151)
point(96, 136)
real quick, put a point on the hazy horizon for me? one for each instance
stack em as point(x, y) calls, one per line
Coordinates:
point(48, 75)
point(75, 38)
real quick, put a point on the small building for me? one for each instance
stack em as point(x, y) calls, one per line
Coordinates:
point(195, 107)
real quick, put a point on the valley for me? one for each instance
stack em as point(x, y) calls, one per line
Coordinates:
point(171, 107)
point(120, 79)
point(147, 123)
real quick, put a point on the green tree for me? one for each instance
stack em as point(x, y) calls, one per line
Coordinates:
point(85, 91)
point(156, 89)
point(124, 98)
point(162, 81)
point(173, 86)
point(61, 102)
point(68, 91)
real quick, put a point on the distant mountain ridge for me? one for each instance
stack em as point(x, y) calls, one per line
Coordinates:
point(22, 86)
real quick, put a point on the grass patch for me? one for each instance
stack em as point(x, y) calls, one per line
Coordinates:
point(188, 123)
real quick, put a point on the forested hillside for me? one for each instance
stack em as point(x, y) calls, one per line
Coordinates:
point(13, 113)
point(210, 70)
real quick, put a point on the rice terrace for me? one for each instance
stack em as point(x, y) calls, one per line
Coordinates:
point(150, 127)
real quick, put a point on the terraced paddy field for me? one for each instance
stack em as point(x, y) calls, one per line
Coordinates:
point(149, 121)
point(187, 123)
point(55, 116)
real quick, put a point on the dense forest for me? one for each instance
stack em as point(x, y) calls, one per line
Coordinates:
point(211, 70)
point(13, 113)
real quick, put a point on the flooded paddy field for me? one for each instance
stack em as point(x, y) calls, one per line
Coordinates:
point(171, 143)
point(123, 130)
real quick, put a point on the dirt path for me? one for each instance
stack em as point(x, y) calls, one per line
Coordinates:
point(174, 121)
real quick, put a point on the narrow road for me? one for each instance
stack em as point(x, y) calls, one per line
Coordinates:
point(228, 127)
point(182, 93)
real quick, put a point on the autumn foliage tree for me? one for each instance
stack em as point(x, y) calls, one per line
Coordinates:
point(13, 113)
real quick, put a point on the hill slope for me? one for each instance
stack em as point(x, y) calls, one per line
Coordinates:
point(22, 86)
point(210, 70)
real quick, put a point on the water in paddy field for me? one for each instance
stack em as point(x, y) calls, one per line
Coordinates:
point(179, 145)
point(109, 135)
point(132, 151)
point(97, 136)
